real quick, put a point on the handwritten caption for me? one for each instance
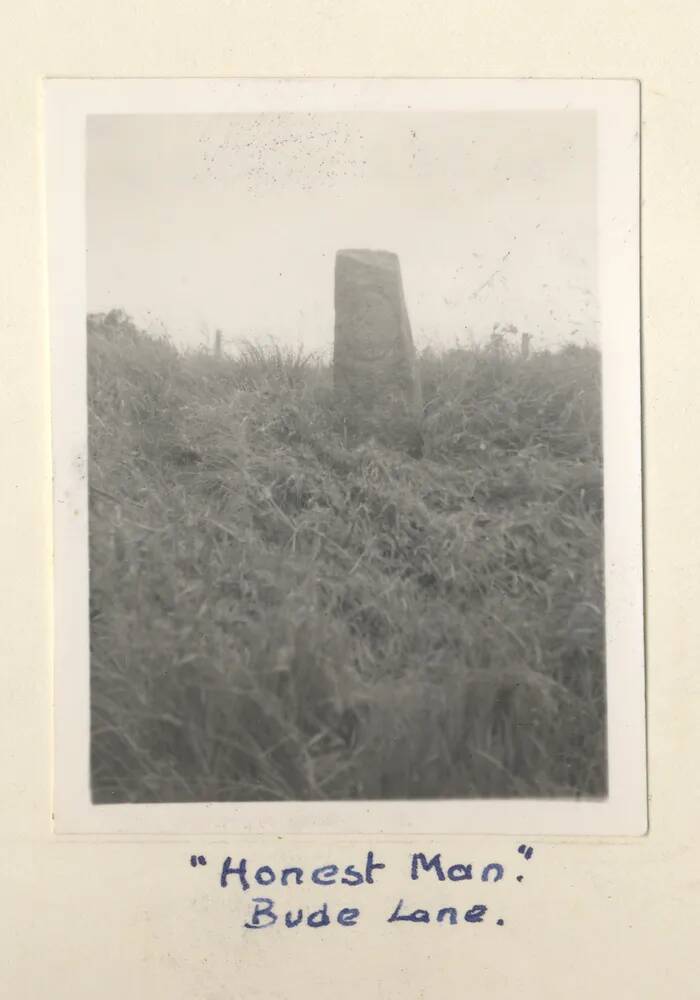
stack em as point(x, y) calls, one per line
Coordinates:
point(266, 912)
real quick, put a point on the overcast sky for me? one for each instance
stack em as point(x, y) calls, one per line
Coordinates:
point(232, 221)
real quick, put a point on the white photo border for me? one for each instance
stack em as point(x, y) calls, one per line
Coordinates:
point(67, 103)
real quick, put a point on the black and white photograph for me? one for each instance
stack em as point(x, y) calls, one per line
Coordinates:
point(352, 449)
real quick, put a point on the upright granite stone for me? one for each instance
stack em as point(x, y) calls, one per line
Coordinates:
point(374, 364)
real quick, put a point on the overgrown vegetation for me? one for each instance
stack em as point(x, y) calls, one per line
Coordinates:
point(276, 614)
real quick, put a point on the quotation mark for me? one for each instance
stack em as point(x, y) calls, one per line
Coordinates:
point(527, 853)
point(197, 859)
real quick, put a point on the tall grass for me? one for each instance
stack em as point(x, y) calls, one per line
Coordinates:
point(276, 614)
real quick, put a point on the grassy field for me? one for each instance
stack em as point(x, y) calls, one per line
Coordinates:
point(278, 613)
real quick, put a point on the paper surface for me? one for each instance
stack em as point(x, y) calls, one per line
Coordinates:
point(86, 914)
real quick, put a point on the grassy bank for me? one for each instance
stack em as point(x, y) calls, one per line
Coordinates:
point(278, 614)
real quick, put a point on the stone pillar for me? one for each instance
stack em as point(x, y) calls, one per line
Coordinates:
point(374, 363)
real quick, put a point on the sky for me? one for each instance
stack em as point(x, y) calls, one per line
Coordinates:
point(199, 222)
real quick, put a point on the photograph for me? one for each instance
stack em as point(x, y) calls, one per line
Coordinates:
point(346, 499)
point(349, 411)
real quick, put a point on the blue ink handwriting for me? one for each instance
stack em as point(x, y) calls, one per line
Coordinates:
point(266, 912)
